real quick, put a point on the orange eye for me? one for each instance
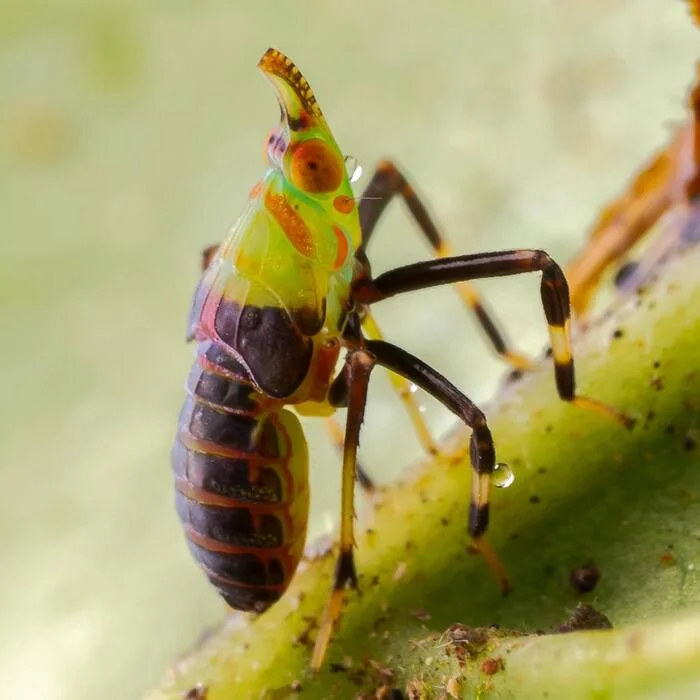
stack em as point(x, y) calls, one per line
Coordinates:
point(316, 168)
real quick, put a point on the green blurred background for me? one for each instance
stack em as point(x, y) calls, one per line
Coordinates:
point(130, 134)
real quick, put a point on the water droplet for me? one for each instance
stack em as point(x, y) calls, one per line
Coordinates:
point(502, 476)
point(353, 168)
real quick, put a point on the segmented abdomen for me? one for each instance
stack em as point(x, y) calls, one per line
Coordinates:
point(241, 474)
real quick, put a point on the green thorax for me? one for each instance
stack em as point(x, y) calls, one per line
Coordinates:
point(293, 251)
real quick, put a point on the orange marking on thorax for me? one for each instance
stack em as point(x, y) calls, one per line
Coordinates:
point(344, 204)
point(291, 223)
point(342, 248)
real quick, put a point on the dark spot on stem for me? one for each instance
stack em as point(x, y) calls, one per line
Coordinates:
point(492, 666)
point(585, 578)
point(657, 383)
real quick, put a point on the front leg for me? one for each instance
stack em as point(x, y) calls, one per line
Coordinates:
point(555, 302)
point(357, 369)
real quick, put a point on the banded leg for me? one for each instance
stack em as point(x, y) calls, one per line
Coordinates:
point(482, 451)
point(356, 373)
point(554, 291)
point(387, 182)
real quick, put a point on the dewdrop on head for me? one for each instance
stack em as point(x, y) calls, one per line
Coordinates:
point(353, 169)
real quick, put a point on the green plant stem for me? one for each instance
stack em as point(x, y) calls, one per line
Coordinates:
point(657, 659)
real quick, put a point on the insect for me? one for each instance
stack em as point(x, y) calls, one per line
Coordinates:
point(668, 186)
point(288, 289)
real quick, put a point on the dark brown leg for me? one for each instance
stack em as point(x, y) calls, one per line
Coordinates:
point(483, 455)
point(387, 182)
point(357, 369)
point(555, 301)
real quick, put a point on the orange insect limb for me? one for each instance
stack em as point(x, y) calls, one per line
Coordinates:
point(670, 179)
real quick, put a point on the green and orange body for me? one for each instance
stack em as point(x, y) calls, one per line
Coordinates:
point(267, 317)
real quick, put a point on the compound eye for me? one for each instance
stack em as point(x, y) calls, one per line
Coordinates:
point(316, 168)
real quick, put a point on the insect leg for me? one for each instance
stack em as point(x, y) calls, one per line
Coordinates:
point(482, 452)
point(338, 397)
point(403, 389)
point(694, 9)
point(387, 182)
point(357, 368)
point(338, 437)
point(672, 177)
point(619, 226)
point(680, 228)
point(554, 291)
point(693, 188)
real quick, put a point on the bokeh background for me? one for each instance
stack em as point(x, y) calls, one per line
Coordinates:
point(130, 134)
